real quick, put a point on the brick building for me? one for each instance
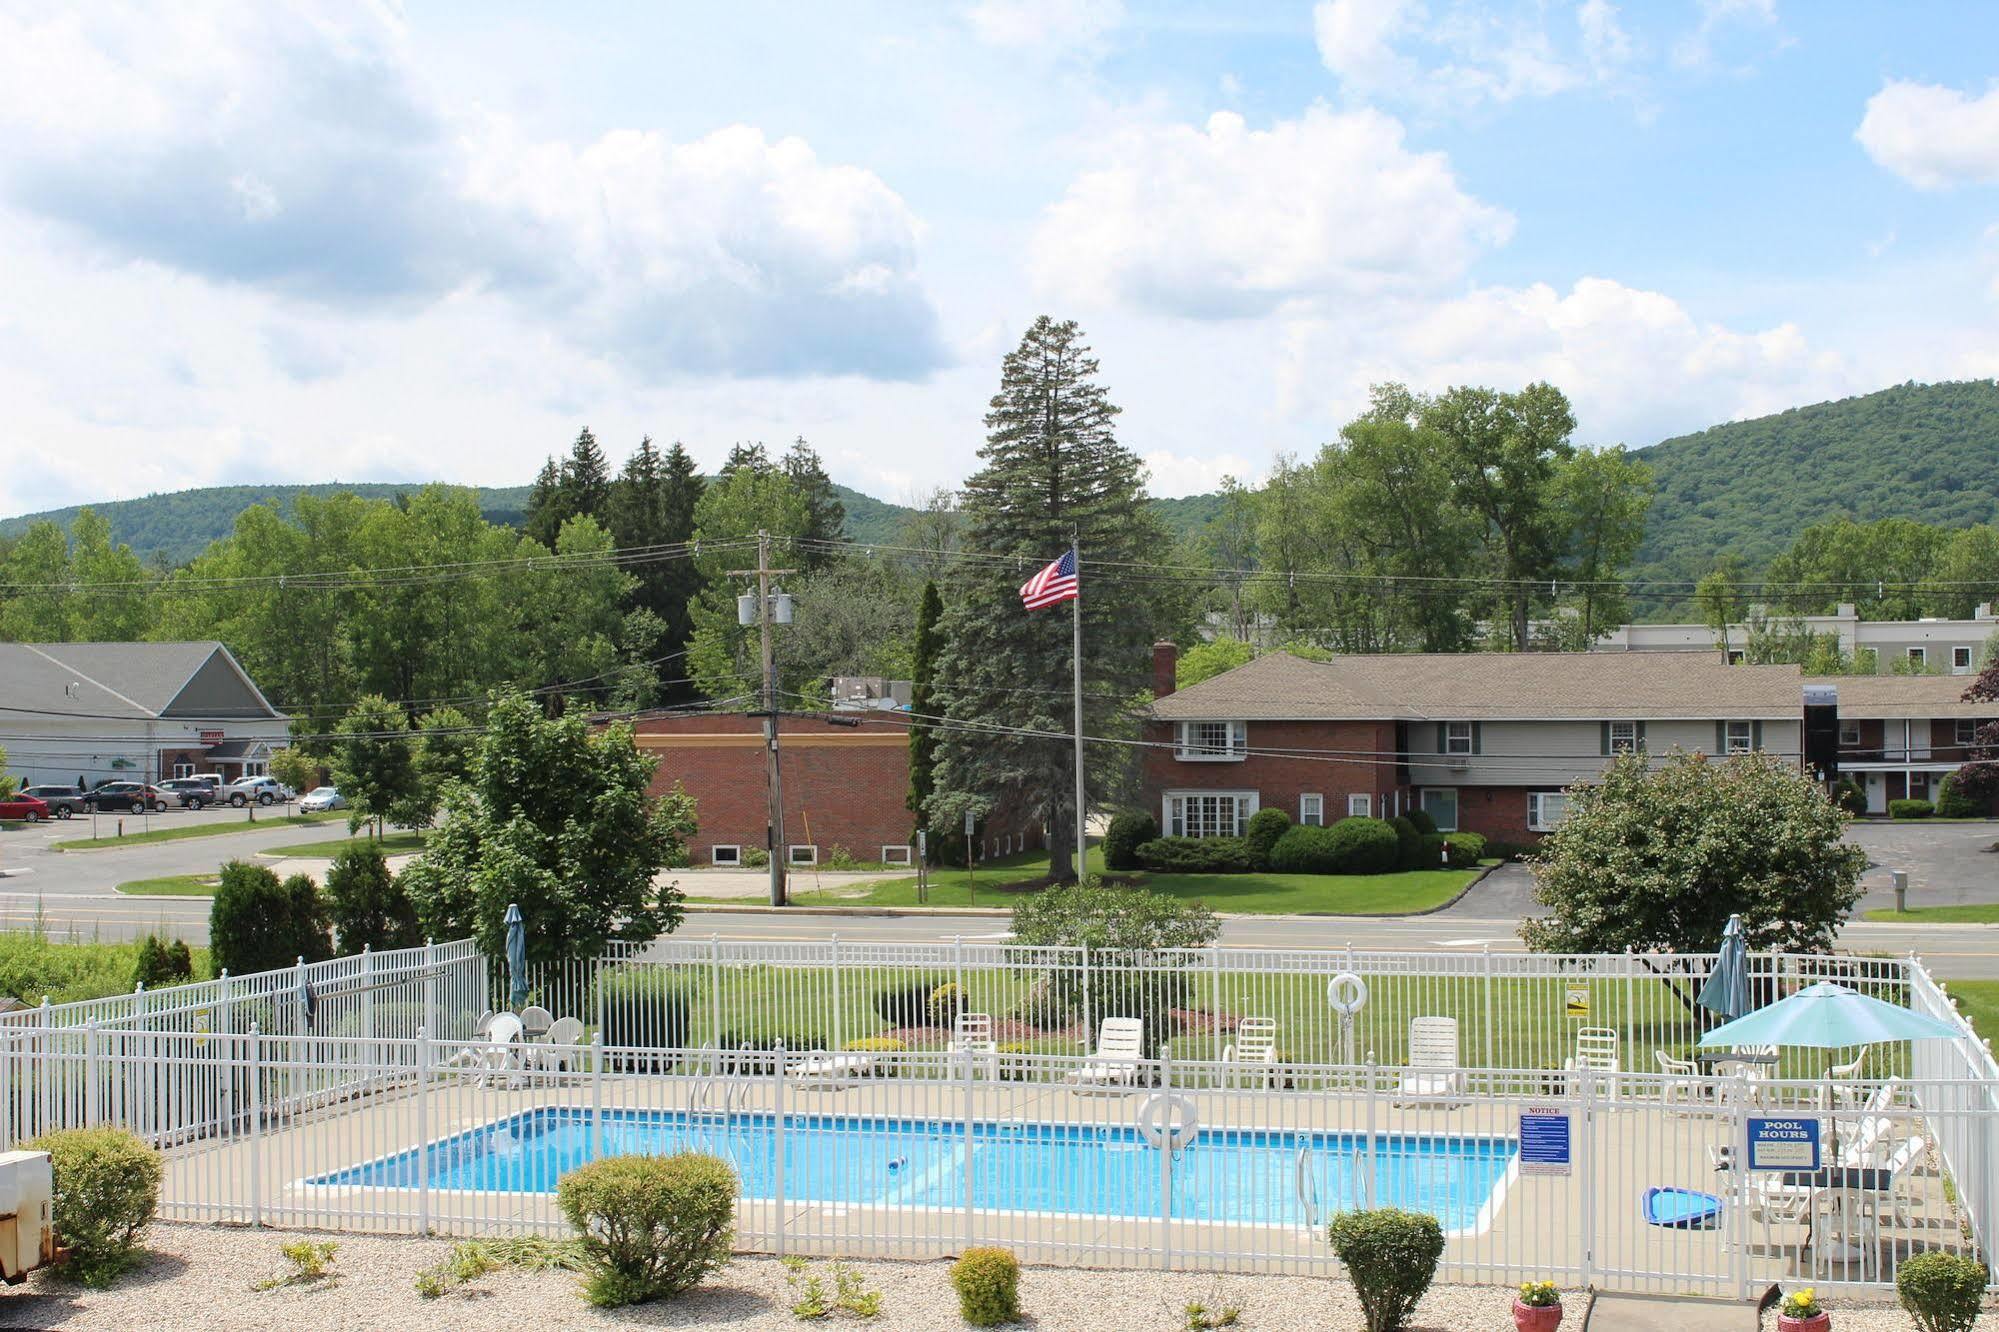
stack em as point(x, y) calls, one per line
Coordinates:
point(1901, 735)
point(846, 784)
point(1483, 741)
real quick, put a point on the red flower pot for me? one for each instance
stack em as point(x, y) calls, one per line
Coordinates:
point(1818, 1322)
point(1536, 1318)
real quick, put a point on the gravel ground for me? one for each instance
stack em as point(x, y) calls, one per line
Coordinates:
point(205, 1277)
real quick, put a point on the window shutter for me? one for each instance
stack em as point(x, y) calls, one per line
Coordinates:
point(1476, 736)
point(1443, 737)
point(1641, 735)
point(1604, 738)
point(1720, 738)
point(1756, 735)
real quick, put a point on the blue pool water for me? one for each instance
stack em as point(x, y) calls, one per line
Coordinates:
point(1240, 1175)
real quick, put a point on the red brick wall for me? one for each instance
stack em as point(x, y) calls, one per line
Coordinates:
point(1495, 812)
point(1279, 779)
point(843, 786)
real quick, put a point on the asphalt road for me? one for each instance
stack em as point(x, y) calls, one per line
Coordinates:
point(71, 893)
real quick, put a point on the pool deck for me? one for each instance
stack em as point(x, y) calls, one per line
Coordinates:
point(1533, 1228)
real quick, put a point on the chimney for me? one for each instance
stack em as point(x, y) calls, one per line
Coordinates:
point(1165, 668)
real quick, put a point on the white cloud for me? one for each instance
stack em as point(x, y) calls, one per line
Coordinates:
point(1047, 25)
point(1720, 21)
point(1606, 45)
point(1174, 474)
point(1932, 136)
point(1229, 222)
point(1461, 55)
point(1357, 40)
point(264, 146)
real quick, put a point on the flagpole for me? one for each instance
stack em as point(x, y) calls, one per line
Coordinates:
point(1076, 615)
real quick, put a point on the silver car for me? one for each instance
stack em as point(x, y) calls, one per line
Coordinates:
point(262, 790)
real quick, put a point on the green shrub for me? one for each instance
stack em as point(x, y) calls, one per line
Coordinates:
point(107, 1186)
point(1952, 804)
point(1358, 845)
point(1941, 1291)
point(651, 1226)
point(1123, 837)
point(1464, 849)
point(1849, 797)
point(641, 1009)
point(259, 924)
point(1195, 855)
point(1421, 818)
point(946, 1002)
point(755, 857)
point(368, 907)
point(988, 1284)
point(1408, 843)
point(162, 962)
point(906, 1003)
point(1391, 1256)
point(1910, 809)
point(1111, 919)
point(1265, 827)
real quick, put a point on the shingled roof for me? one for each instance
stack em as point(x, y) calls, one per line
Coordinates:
point(1898, 696)
point(1490, 686)
point(127, 680)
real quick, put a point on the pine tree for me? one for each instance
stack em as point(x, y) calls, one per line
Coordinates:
point(742, 457)
point(922, 704)
point(652, 504)
point(586, 477)
point(679, 580)
point(1053, 468)
point(826, 518)
point(544, 514)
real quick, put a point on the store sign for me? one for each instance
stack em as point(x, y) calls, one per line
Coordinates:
point(212, 737)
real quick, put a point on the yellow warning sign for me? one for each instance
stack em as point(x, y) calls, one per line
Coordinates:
point(1575, 1001)
point(200, 1028)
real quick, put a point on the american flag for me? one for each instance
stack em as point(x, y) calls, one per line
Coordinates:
point(1055, 583)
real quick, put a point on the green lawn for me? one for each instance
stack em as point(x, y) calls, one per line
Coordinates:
point(1981, 913)
point(1979, 999)
point(33, 965)
point(186, 830)
point(173, 885)
point(394, 844)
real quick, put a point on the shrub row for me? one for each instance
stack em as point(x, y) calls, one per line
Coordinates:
point(1352, 846)
point(1910, 809)
point(1196, 855)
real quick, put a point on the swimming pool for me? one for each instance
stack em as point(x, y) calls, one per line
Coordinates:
point(1233, 1175)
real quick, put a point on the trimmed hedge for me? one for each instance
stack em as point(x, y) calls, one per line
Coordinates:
point(988, 1284)
point(1424, 823)
point(1910, 809)
point(1357, 845)
point(907, 1003)
point(1941, 1291)
point(1408, 843)
point(1123, 838)
point(1265, 827)
point(1391, 1256)
point(1465, 849)
point(1196, 855)
point(651, 1226)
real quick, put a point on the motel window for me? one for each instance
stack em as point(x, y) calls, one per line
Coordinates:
point(1360, 806)
point(1441, 804)
point(1966, 730)
point(1919, 656)
point(803, 855)
point(1208, 813)
point(1738, 738)
point(1626, 735)
point(896, 855)
point(1960, 661)
point(1545, 809)
point(1458, 738)
point(1849, 733)
point(1311, 810)
point(725, 855)
point(1736, 656)
point(1213, 742)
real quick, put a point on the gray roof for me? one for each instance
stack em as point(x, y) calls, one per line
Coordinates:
point(127, 680)
point(1491, 686)
point(1867, 697)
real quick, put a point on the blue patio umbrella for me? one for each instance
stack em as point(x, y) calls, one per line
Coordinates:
point(1727, 989)
point(1826, 1016)
point(517, 956)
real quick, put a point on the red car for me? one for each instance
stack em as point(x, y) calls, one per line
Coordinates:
point(24, 807)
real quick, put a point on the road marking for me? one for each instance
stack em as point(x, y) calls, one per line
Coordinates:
point(1468, 943)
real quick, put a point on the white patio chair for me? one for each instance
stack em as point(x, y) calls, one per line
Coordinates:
point(551, 1051)
point(972, 1041)
point(1845, 1079)
point(1254, 1048)
point(536, 1020)
point(1120, 1047)
point(473, 1055)
point(1433, 1059)
point(1681, 1090)
point(503, 1047)
point(1598, 1057)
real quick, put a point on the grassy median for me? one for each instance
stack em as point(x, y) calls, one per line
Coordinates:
point(186, 830)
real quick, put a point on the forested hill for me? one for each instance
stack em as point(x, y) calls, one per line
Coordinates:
point(177, 526)
point(1929, 452)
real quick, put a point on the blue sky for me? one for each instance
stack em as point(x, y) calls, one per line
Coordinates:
point(266, 242)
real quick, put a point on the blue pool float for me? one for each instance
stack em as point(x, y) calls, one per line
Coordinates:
point(1680, 1209)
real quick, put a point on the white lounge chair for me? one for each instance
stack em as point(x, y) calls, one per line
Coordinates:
point(972, 1041)
point(1900, 1166)
point(1433, 1059)
point(1254, 1048)
point(1878, 1117)
point(1681, 1088)
point(826, 1069)
point(1120, 1047)
point(1598, 1058)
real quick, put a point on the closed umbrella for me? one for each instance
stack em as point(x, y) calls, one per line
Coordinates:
point(1727, 989)
point(517, 956)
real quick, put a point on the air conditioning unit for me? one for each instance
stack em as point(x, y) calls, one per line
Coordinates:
point(27, 1215)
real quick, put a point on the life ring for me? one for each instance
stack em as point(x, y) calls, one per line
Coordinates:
point(1169, 1120)
point(1347, 993)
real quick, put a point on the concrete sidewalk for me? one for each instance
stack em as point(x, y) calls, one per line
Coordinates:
point(1669, 1313)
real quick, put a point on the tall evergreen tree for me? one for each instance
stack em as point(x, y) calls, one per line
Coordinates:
point(545, 513)
point(745, 457)
point(923, 704)
point(586, 478)
point(652, 504)
point(1052, 468)
point(826, 517)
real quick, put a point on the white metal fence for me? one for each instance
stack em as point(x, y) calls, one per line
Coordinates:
point(906, 1147)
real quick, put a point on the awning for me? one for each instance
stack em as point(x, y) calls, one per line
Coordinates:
point(231, 750)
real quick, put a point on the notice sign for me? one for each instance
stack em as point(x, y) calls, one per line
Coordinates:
point(1783, 1144)
point(1575, 1001)
point(1544, 1140)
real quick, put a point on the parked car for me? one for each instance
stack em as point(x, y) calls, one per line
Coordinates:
point(322, 797)
point(24, 807)
point(129, 797)
point(263, 790)
point(62, 801)
point(192, 792)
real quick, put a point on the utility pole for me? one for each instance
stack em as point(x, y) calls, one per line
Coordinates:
point(773, 778)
